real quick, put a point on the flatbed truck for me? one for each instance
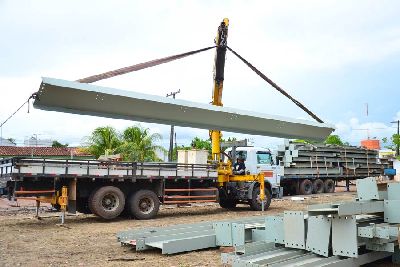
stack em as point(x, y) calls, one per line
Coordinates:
point(110, 189)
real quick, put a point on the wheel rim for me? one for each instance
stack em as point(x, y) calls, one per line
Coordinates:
point(307, 187)
point(146, 205)
point(329, 186)
point(110, 202)
point(318, 186)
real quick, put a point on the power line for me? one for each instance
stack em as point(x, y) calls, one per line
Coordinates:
point(33, 96)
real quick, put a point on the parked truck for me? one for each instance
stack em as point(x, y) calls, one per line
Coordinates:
point(300, 168)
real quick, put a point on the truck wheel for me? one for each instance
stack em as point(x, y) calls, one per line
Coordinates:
point(306, 187)
point(318, 186)
point(144, 204)
point(329, 186)
point(107, 202)
point(228, 203)
point(90, 202)
point(255, 202)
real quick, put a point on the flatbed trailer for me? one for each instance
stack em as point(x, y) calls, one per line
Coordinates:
point(106, 188)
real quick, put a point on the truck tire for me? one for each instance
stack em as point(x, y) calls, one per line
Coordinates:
point(90, 202)
point(107, 202)
point(144, 204)
point(228, 203)
point(329, 186)
point(255, 202)
point(306, 187)
point(318, 186)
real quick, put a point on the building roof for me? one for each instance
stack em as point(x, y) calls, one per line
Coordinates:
point(42, 151)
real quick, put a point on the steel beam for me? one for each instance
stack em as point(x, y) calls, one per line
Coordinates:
point(87, 99)
point(268, 255)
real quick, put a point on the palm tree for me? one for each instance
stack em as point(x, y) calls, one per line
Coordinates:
point(103, 141)
point(139, 144)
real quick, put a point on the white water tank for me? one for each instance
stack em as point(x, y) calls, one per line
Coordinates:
point(193, 156)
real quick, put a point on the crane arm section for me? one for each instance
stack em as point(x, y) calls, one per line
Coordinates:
point(219, 66)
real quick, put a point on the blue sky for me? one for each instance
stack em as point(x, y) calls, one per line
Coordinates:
point(334, 56)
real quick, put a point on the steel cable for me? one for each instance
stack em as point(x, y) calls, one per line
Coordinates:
point(268, 80)
point(139, 66)
point(15, 112)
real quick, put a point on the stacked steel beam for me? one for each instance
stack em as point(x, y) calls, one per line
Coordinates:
point(340, 234)
point(319, 160)
point(337, 234)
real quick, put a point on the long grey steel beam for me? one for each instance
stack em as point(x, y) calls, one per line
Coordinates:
point(87, 99)
point(268, 255)
point(187, 237)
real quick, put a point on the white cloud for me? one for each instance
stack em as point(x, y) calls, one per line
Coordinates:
point(282, 38)
point(397, 117)
point(353, 131)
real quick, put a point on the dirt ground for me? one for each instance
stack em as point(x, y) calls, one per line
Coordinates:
point(89, 241)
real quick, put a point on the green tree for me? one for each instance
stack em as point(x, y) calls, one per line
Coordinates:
point(58, 144)
point(334, 140)
point(304, 141)
point(138, 144)
point(103, 141)
point(199, 143)
point(392, 142)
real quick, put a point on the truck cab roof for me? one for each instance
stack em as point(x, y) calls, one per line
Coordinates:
point(249, 148)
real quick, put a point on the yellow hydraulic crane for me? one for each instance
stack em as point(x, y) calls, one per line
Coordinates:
point(225, 173)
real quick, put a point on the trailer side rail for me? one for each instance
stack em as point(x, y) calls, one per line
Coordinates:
point(93, 168)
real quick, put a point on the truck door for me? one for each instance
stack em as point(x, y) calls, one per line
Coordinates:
point(266, 165)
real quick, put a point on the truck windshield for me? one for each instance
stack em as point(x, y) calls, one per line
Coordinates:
point(241, 154)
point(264, 157)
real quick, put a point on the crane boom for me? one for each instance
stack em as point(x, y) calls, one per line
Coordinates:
point(219, 67)
point(225, 173)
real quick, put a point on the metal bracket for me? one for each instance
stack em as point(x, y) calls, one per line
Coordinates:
point(344, 236)
point(319, 234)
point(391, 211)
point(294, 229)
point(274, 230)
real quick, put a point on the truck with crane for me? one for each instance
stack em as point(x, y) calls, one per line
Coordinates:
point(109, 189)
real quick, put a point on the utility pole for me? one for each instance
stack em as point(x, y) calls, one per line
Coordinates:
point(398, 132)
point(171, 136)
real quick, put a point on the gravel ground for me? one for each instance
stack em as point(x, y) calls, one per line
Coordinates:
point(86, 240)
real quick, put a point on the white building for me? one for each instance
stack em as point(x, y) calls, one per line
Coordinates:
point(34, 141)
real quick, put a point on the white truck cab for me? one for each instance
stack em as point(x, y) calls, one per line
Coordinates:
point(259, 160)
